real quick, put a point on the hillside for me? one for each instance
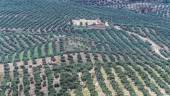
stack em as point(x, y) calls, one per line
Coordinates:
point(43, 54)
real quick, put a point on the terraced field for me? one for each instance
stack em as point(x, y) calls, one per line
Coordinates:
point(42, 54)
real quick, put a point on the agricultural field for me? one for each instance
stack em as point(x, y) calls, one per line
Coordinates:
point(43, 54)
point(161, 10)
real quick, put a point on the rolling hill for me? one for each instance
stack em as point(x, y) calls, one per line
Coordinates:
point(43, 54)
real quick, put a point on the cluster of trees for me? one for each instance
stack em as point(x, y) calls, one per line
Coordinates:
point(113, 2)
point(153, 75)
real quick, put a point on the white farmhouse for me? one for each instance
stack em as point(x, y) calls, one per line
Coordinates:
point(85, 22)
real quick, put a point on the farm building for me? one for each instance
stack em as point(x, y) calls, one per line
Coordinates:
point(85, 22)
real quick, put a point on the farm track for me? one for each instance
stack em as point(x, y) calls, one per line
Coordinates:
point(155, 47)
